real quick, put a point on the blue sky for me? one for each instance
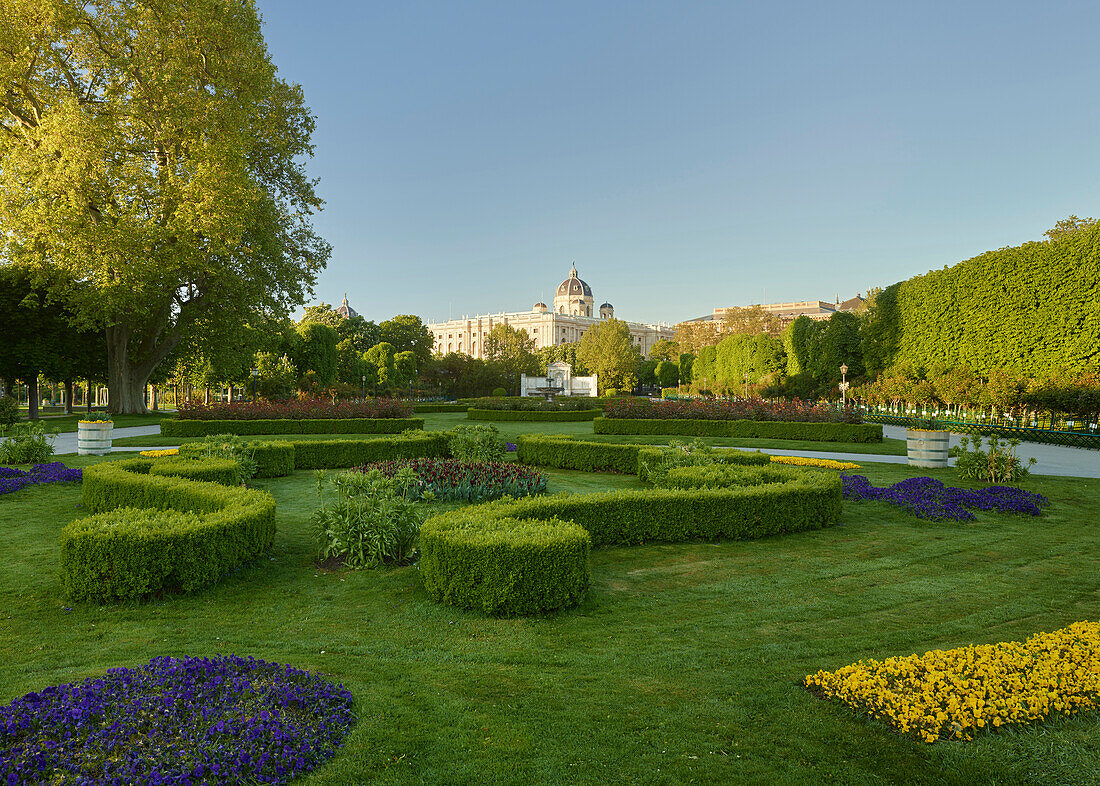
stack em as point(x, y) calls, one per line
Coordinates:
point(688, 155)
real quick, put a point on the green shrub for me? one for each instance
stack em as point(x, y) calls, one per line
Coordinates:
point(225, 471)
point(227, 446)
point(9, 411)
point(750, 429)
point(125, 554)
point(200, 428)
point(373, 521)
point(440, 407)
point(534, 403)
point(654, 463)
point(611, 392)
point(479, 443)
point(564, 452)
point(341, 453)
point(499, 392)
point(568, 415)
point(27, 443)
point(714, 476)
point(504, 566)
point(999, 465)
point(273, 459)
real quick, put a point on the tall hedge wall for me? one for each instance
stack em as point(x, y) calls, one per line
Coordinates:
point(1031, 308)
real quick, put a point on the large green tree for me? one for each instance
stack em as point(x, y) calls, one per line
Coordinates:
point(149, 151)
point(606, 350)
point(408, 333)
point(512, 351)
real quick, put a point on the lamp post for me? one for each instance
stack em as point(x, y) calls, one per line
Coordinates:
point(255, 376)
point(843, 385)
point(363, 379)
point(746, 386)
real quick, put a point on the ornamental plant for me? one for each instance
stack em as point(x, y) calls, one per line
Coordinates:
point(373, 520)
point(307, 409)
point(12, 479)
point(803, 461)
point(792, 411)
point(955, 693)
point(448, 479)
point(928, 498)
point(27, 443)
point(223, 719)
point(999, 464)
point(226, 446)
point(476, 442)
point(9, 411)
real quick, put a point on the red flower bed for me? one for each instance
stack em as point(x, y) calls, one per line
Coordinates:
point(793, 411)
point(311, 409)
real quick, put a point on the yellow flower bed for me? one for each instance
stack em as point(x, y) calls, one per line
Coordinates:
point(97, 421)
point(801, 461)
point(951, 693)
point(160, 453)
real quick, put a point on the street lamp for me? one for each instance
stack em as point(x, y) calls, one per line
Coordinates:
point(255, 376)
point(363, 379)
point(843, 385)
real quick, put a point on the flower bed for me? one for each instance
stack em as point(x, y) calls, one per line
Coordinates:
point(803, 461)
point(952, 693)
point(224, 719)
point(533, 415)
point(793, 411)
point(447, 479)
point(173, 427)
point(928, 498)
point(12, 479)
point(160, 453)
point(747, 429)
point(533, 404)
point(310, 409)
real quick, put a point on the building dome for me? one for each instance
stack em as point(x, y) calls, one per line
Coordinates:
point(573, 286)
point(607, 305)
point(345, 310)
point(540, 306)
point(574, 296)
point(607, 311)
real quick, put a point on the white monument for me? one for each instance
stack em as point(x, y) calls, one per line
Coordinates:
point(559, 380)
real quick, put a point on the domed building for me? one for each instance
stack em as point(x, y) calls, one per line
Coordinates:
point(574, 311)
point(345, 310)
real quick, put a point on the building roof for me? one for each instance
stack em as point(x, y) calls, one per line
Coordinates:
point(852, 303)
point(607, 305)
point(345, 310)
point(574, 286)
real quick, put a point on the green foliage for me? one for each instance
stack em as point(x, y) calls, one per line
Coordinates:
point(276, 376)
point(373, 521)
point(476, 442)
point(564, 452)
point(512, 351)
point(198, 428)
point(129, 553)
point(408, 333)
point(999, 464)
point(608, 351)
point(654, 464)
point(667, 374)
point(272, 459)
point(316, 352)
point(424, 408)
point(26, 443)
point(223, 470)
point(9, 411)
point(753, 429)
point(333, 454)
point(230, 447)
point(499, 392)
point(611, 392)
point(533, 415)
point(504, 566)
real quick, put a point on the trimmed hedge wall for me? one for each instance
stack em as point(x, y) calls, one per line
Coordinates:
point(172, 427)
point(440, 407)
point(457, 574)
point(564, 452)
point(196, 533)
point(651, 456)
point(504, 566)
point(533, 415)
point(210, 470)
point(750, 429)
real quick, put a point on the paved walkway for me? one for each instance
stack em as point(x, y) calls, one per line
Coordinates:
point(66, 441)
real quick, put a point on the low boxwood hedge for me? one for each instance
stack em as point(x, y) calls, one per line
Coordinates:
point(209, 470)
point(566, 452)
point(196, 532)
point(779, 500)
point(750, 429)
point(504, 566)
point(533, 415)
point(173, 427)
point(440, 407)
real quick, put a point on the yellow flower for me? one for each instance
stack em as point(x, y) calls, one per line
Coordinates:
point(802, 461)
point(159, 453)
point(97, 421)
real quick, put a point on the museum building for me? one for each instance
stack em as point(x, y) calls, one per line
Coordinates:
point(573, 312)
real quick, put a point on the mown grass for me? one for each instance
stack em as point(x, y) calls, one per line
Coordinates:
point(440, 421)
point(681, 666)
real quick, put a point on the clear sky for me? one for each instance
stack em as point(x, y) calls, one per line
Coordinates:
point(687, 155)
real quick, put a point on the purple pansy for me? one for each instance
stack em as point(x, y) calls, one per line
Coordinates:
point(928, 498)
point(12, 479)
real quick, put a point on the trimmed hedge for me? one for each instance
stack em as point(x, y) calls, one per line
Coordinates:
point(210, 470)
point(129, 552)
point(532, 415)
point(504, 566)
point(651, 456)
point(564, 452)
point(460, 575)
point(173, 427)
point(273, 459)
point(750, 429)
point(440, 407)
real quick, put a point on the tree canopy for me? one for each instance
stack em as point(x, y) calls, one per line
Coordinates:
point(606, 350)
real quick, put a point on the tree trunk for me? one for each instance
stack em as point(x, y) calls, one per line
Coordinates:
point(32, 398)
point(70, 388)
point(153, 396)
point(88, 395)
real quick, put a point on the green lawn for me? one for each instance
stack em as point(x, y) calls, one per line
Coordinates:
point(438, 421)
point(682, 666)
point(62, 423)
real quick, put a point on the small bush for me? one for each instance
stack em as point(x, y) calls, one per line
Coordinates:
point(479, 443)
point(373, 520)
point(27, 443)
point(499, 392)
point(536, 404)
point(9, 412)
point(999, 464)
point(227, 447)
point(611, 392)
point(440, 407)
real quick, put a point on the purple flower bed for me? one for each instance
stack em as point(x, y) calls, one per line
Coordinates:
point(214, 720)
point(928, 498)
point(12, 479)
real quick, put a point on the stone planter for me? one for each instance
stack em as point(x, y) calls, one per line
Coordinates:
point(93, 439)
point(927, 448)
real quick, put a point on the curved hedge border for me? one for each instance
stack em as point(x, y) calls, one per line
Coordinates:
point(565, 452)
point(276, 459)
point(750, 429)
point(490, 557)
point(208, 470)
point(173, 427)
point(126, 553)
point(533, 415)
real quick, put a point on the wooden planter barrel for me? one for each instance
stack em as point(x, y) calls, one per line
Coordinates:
point(93, 439)
point(927, 448)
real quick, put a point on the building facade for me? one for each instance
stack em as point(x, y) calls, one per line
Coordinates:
point(573, 312)
point(816, 310)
